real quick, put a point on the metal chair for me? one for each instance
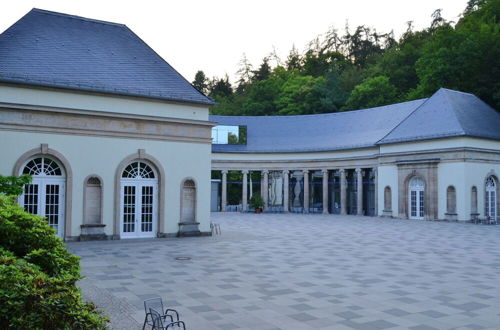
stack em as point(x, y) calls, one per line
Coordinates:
point(158, 324)
point(157, 304)
point(215, 228)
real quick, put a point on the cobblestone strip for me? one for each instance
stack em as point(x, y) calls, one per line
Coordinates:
point(117, 309)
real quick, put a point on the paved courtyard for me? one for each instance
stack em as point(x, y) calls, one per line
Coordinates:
point(274, 271)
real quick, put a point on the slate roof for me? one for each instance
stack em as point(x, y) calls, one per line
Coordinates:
point(322, 132)
point(445, 114)
point(57, 50)
point(448, 113)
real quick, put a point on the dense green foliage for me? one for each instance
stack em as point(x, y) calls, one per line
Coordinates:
point(38, 274)
point(364, 68)
point(13, 185)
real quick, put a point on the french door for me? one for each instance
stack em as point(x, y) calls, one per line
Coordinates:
point(138, 209)
point(416, 199)
point(45, 197)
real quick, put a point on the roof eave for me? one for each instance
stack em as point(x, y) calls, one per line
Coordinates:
point(106, 92)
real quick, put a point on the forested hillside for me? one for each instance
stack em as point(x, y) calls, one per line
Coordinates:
point(363, 68)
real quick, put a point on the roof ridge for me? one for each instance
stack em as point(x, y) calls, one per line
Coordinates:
point(402, 121)
point(452, 106)
point(336, 113)
point(81, 18)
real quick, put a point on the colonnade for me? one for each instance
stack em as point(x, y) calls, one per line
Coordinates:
point(306, 192)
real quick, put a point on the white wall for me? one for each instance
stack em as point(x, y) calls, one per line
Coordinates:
point(440, 144)
point(453, 174)
point(107, 103)
point(101, 155)
point(388, 176)
point(476, 174)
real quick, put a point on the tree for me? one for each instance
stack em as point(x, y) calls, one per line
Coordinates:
point(263, 72)
point(372, 92)
point(220, 88)
point(200, 82)
point(465, 57)
point(244, 74)
point(293, 61)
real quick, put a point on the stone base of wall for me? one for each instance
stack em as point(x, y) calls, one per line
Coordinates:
point(188, 229)
point(93, 232)
point(387, 213)
point(451, 217)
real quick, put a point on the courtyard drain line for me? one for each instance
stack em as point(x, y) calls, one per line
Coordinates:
point(182, 258)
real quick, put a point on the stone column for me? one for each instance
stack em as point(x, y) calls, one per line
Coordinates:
point(286, 190)
point(375, 173)
point(325, 191)
point(306, 191)
point(244, 193)
point(265, 188)
point(224, 191)
point(343, 193)
point(359, 191)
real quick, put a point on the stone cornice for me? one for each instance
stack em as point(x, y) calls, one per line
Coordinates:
point(17, 117)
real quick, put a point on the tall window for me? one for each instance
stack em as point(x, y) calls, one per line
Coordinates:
point(44, 196)
point(490, 198)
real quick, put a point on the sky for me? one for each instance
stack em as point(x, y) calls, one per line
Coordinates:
point(213, 35)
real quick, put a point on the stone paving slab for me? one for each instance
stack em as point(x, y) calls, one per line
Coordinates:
point(277, 271)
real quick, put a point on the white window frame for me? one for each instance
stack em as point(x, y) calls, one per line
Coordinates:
point(139, 183)
point(43, 180)
point(416, 188)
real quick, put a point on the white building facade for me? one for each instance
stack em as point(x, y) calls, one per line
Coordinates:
point(430, 159)
point(122, 151)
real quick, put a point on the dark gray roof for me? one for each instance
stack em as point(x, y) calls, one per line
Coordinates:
point(448, 113)
point(63, 51)
point(323, 132)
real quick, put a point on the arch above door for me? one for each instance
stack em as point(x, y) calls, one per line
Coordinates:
point(45, 151)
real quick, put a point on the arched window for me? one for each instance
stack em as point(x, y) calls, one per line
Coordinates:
point(473, 206)
point(451, 200)
point(416, 190)
point(490, 198)
point(138, 170)
point(138, 200)
point(188, 208)
point(45, 195)
point(92, 201)
point(387, 199)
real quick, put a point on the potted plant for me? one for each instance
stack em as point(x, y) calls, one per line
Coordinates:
point(256, 203)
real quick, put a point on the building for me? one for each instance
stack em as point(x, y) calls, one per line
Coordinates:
point(121, 146)
point(434, 159)
point(117, 141)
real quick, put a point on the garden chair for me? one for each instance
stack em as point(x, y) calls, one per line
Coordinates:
point(158, 324)
point(157, 305)
point(215, 228)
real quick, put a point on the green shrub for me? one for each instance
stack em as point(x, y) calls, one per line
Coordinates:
point(13, 185)
point(38, 276)
point(256, 201)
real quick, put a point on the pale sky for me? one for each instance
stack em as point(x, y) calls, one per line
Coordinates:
point(212, 35)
